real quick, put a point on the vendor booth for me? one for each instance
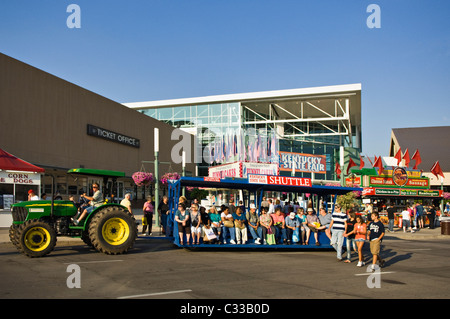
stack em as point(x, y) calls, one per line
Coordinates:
point(397, 186)
point(17, 177)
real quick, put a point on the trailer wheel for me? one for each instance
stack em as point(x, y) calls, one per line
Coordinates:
point(112, 230)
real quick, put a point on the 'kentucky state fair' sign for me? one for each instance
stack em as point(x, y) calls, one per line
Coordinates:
point(303, 162)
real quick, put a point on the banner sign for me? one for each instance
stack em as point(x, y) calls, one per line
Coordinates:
point(259, 169)
point(389, 181)
point(303, 162)
point(372, 191)
point(279, 180)
point(226, 170)
point(242, 169)
point(353, 181)
point(211, 179)
point(20, 178)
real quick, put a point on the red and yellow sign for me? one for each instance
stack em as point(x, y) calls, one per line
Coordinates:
point(389, 181)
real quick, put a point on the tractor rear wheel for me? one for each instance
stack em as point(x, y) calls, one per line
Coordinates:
point(36, 238)
point(113, 230)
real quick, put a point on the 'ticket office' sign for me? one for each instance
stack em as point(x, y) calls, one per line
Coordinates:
point(112, 136)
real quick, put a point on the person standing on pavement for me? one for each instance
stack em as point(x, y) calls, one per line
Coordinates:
point(350, 235)
point(376, 234)
point(148, 215)
point(32, 195)
point(431, 214)
point(419, 209)
point(406, 216)
point(338, 227)
point(163, 210)
point(126, 202)
point(360, 231)
point(391, 217)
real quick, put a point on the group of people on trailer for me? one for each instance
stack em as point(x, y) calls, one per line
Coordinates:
point(236, 225)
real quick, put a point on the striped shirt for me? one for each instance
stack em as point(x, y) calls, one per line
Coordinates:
point(339, 220)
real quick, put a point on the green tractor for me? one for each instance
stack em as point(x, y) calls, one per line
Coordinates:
point(109, 228)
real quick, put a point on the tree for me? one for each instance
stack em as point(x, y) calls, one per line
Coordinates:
point(348, 201)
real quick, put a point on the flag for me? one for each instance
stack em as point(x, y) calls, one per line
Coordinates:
point(361, 162)
point(436, 170)
point(338, 170)
point(236, 146)
point(378, 164)
point(351, 163)
point(406, 158)
point(224, 149)
point(398, 156)
point(416, 157)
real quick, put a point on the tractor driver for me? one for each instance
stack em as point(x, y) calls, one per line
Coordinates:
point(95, 201)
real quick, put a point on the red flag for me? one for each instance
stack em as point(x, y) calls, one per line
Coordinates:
point(338, 170)
point(406, 158)
point(436, 170)
point(361, 162)
point(416, 157)
point(398, 156)
point(351, 163)
point(378, 164)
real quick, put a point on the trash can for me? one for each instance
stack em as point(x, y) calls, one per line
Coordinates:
point(445, 227)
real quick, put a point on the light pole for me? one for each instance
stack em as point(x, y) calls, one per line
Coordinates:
point(156, 146)
point(183, 172)
point(156, 162)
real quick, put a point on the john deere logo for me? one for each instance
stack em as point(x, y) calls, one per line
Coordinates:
point(400, 176)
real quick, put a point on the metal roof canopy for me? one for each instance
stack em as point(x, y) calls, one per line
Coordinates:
point(95, 172)
point(243, 183)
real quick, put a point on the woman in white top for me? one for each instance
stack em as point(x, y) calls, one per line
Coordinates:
point(406, 220)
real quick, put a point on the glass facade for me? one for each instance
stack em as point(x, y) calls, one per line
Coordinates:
point(216, 117)
point(209, 121)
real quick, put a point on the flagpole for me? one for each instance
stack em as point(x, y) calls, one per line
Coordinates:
point(341, 160)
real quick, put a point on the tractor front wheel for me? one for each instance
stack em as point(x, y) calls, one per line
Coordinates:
point(36, 238)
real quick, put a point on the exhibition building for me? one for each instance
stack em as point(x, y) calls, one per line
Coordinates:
point(291, 132)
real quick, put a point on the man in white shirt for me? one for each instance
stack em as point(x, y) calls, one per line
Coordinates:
point(32, 195)
point(338, 226)
point(126, 202)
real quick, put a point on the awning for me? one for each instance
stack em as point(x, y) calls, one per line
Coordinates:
point(12, 163)
point(280, 184)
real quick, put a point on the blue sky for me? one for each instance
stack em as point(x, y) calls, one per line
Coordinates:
point(139, 50)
